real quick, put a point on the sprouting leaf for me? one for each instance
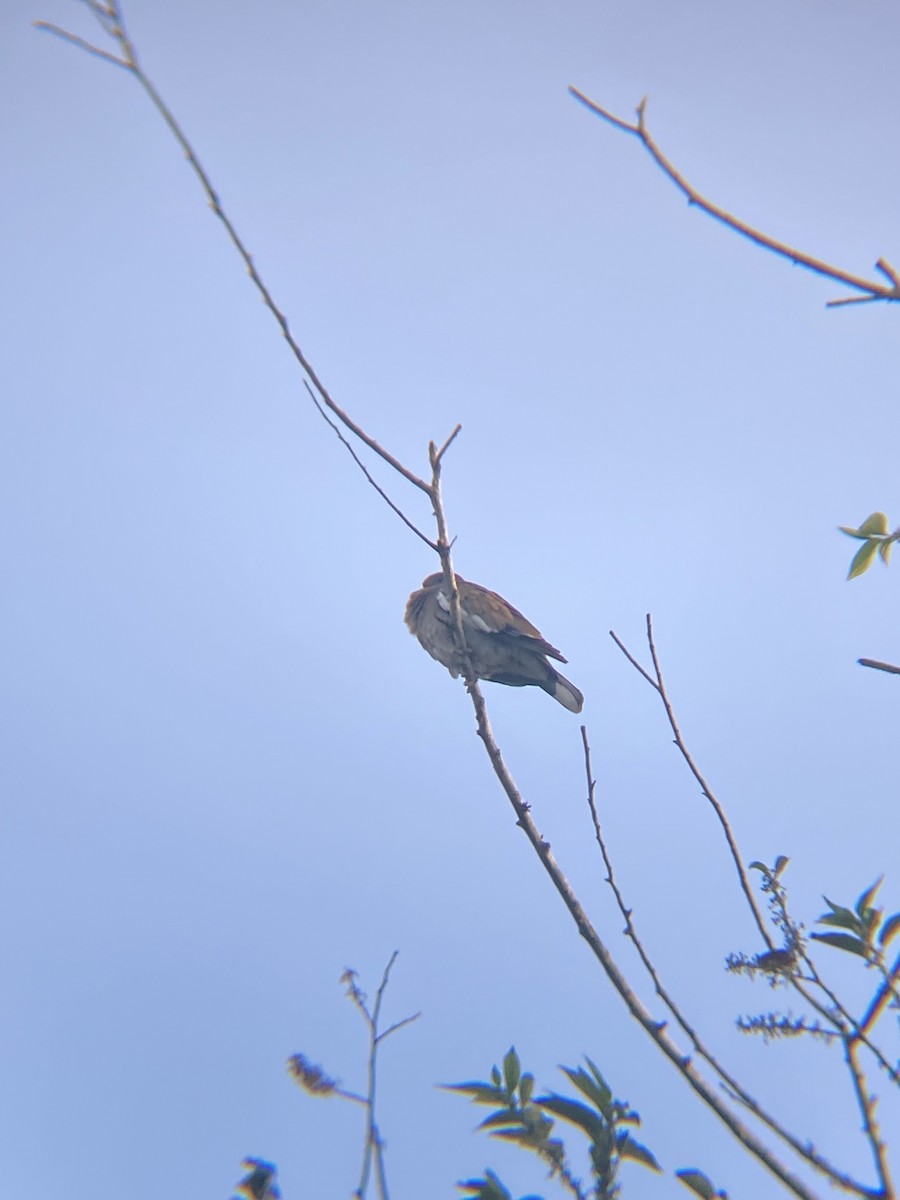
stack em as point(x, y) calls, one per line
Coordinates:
point(503, 1116)
point(526, 1088)
point(593, 1086)
point(884, 549)
point(261, 1183)
point(700, 1184)
point(780, 863)
point(843, 918)
point(576, 1113)
point(512, 1069)
point(843, 941)
point(865, 900)
point(629, 1148)
point(489, 1188)
point(851, 532)
point(877, 523)
point(481, 1093)
point(862, 559)
point(889, 929)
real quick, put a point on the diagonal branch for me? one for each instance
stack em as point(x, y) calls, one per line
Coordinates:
point(111, 21)
point(879, 666)
point(377, 486)
point(805, 1150)
point(872, 289)
point(659, 684)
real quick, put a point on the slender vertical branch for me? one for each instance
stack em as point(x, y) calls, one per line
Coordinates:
point(866, 1102)
point(657, 682)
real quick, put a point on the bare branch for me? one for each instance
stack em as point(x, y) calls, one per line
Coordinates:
point(446, 446)
point(885, 994)
point(398, 1025)
point(657, 1030)
point(879, 666)
point(705, 789)
point(82, 43)
point(634, 662)
point(805, 1150)
point(866, 1102)
point(115, 28)
point(638, 129)
point(381, 492)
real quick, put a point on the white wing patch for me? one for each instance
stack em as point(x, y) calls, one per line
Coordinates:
point(471, 618)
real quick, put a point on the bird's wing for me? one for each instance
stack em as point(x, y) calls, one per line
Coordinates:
point(490, 613)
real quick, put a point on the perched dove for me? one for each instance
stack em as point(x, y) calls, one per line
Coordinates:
point(503, 645)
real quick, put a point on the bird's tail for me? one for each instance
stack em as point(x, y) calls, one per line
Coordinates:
point(565, 692)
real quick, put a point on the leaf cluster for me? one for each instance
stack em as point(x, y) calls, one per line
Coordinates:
point(865, 931)
point(876, 540)
point(527, 1120)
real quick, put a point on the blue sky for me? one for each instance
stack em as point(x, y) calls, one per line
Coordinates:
point(229, 772)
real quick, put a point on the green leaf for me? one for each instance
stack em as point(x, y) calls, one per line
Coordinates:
point(862, 559)
point(699, 1183)
point(526, 1088)
point(877, 523)
point(503, 1116)
point(575, 1113)
point(843, 941)
point(851, 532)
point(512, 1069)
point(481, 1093)
point(889, 929)
point(865, 900)
point(495, 1076)
point(593, 1086)
point(629, 1148)
point(884, 549)
point(780, 863)
point(489, 1188)
point(843, 918)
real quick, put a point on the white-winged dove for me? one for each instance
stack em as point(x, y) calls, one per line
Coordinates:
point(504, 647)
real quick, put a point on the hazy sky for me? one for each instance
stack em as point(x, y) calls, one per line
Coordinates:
point(228, 770)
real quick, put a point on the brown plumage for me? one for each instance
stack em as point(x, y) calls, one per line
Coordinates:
point(503, 645)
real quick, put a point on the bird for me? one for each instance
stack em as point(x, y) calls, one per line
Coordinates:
point(503, 645)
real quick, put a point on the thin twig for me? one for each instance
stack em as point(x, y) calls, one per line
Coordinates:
point(398, 1025)
point(117, 31)
point(884, 995)
point(446, 446)
point(634, 662)
point(659, 684)
point(866, 1102)
point(378, 488)
point(638, 128)
point(373, 1150)
point(848, 1026)
point(82, 43)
